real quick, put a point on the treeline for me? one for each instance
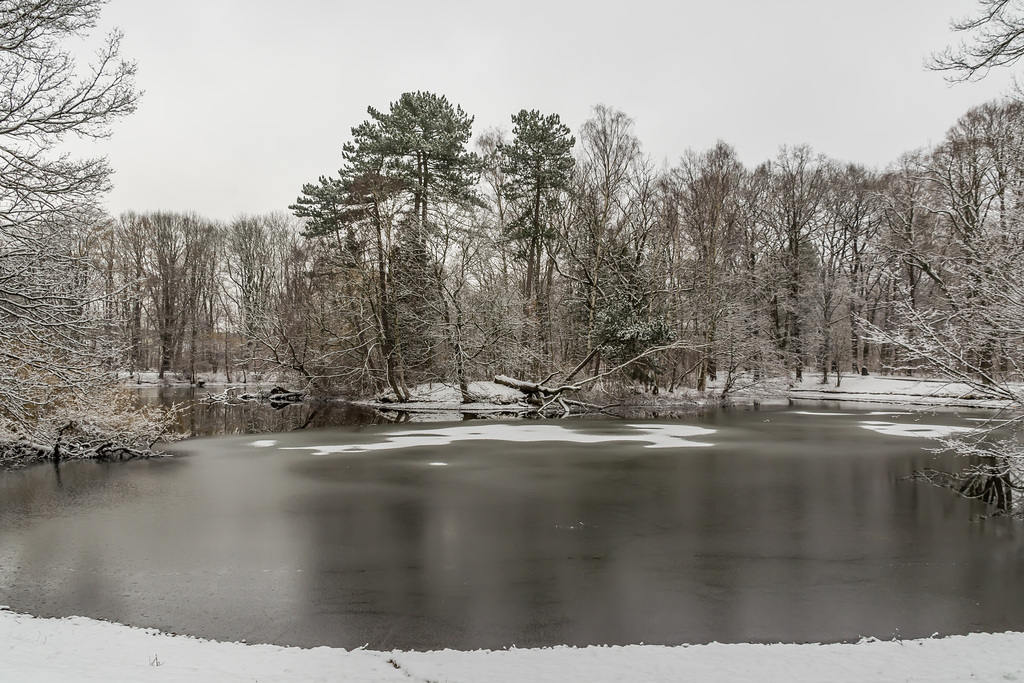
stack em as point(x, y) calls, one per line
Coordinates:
point(536, 251)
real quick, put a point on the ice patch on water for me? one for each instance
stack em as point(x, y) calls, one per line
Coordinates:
point(887, 413)
point(919, 431)
point(666, 436)
point(264, 443)
point(652, 435)
point(830, 414)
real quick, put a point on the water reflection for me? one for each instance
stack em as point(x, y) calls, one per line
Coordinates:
point(785, 527)
point(207, 419)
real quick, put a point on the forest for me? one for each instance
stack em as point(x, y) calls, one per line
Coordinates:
point(440, 253)
point(436, 257)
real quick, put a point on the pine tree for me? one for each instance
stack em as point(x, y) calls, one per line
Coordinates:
point(537, 165)
point(422, 142)
point(400, 166)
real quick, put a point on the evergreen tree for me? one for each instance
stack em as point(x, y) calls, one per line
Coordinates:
point(537, 165)
point(422, 142)
point(399, 167)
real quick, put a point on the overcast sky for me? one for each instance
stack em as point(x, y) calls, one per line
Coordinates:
point(245, 100)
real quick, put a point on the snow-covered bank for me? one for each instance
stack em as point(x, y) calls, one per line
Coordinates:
point(899, 390)
point(80, 649)
point(445, 400)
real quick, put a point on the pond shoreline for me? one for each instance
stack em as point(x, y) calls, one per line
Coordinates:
point(15, 455)
point(494, 398)
point(909, 392)
point(438, 402)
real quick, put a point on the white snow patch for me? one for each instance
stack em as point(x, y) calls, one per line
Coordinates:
point(667, 435)
point(88, 651)
point(440, 393)
point(439, 464)
point(914, 430)
point(654, 436)
point(263, 443)
point(889, 389)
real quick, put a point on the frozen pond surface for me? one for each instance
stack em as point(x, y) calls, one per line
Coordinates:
point(775, 525)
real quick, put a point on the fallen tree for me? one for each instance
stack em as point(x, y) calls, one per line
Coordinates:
point(538, 394)
point(104, 426)
point(544, 396)
point(276, 396)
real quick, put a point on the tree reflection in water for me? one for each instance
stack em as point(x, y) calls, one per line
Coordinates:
point(211, 419)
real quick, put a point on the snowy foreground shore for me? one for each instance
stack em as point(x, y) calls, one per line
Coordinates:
point(80, 649)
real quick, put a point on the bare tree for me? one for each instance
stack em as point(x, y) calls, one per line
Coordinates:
point(848, 266)
point(43, 100)
point(996, 39)
point(957, 224)
point(705, 190)
point(609, 151)
point(797, 182)
point(130, 244)
point(56, 355)
point(251, 263)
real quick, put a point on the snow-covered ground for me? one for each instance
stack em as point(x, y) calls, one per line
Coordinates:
point(910, 391)
point(885, 389)
point(436, 396)
point(492, 397)
point(79, 649)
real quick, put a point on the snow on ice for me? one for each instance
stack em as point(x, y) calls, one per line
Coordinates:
point(653, 435)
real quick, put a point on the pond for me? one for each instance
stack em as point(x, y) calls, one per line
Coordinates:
point(198, 418)
point(780, 524)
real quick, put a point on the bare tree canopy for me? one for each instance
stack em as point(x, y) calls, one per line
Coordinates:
point(44, 96)
point(53, 349)
point(996, 38)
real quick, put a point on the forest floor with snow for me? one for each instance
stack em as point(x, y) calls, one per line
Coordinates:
point(86, 650)
point(908, 391)
point(492, 398)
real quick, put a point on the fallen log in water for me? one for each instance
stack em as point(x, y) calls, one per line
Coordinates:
point(276, 395)
point(19, 453)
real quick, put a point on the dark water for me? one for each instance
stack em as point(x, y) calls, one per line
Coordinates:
point(787, 527)
point(197, 418)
